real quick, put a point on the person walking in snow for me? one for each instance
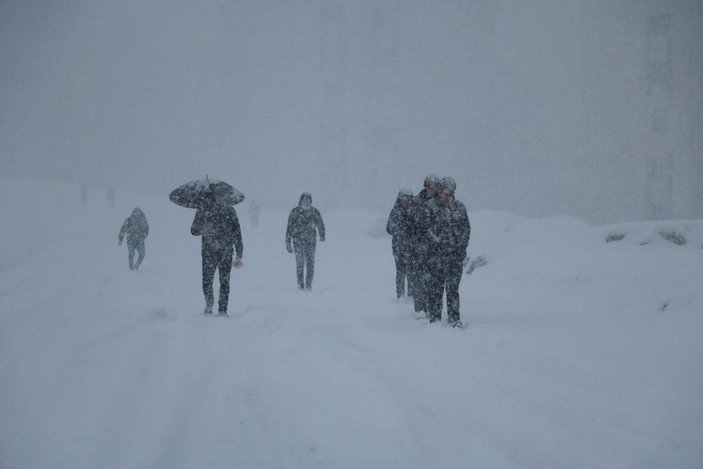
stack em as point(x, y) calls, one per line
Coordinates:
point(420, 250)
point(254, 211)
point(304, 225)
point(449, 231)
point(221, 233)
point(399, 225)
point(137, 229)
point(110, 196)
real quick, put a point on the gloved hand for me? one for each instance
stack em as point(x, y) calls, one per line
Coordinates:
point(237, 264)
point(119, 243)
point(289, 248)
point(322, 238)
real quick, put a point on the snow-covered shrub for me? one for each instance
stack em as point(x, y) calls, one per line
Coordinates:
point(614, 237)
point(673, 236)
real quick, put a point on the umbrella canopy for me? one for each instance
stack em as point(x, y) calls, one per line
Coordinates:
point(204, 193)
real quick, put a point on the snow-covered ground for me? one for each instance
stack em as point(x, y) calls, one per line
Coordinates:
point(579, 352)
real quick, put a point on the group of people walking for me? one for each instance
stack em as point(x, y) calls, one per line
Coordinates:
point(218, 226)
point(431, 232)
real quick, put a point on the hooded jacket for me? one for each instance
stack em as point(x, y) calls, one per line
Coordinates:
point(135, 226)
point(448, 229)
point(400, 225)
point(420, 225)
point(302, 223)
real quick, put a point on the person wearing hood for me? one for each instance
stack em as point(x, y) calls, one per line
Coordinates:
point(399, 226)
point(221, 233)
point(449, 231)
point(137, 229)
point(419, 265)
point(304, 225)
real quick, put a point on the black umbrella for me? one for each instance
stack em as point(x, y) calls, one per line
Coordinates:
point(204, 193)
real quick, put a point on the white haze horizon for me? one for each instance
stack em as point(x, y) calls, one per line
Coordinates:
point(588, 108)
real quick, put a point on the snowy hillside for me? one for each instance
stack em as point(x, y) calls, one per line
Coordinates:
point(583, 349)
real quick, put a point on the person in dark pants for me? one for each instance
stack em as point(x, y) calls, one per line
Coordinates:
point(137, 229)
point(400, 226)
point(449, 232)
point(304, 224)
point(221, 235)
point(419, 264)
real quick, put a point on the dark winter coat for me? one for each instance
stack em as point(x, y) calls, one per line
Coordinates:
point(422, 197)
point(219, 227)
point(420, 229)
point(303, 223)
point(400, 226)
point(136, 227)
point(449, 229)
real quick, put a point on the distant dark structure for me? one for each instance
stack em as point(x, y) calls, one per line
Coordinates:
point(84, 193)
point(110, 196)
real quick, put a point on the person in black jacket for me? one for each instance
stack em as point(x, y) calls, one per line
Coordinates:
point(419, 265)
point(400, 225)
point(137, 229)
point(304, 224)
point(221, 235)
point(449, 231)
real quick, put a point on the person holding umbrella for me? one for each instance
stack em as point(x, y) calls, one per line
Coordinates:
point(217, 223)
point(304, 224)
point(221, 235)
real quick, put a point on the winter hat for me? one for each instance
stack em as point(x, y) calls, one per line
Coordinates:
point(302, 196)
point(448, 183)
point(405, 193)
point(431, 180)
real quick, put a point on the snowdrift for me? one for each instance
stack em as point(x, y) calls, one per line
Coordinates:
point(583, 346)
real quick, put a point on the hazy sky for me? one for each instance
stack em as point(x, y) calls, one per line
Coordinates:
point(590, 108)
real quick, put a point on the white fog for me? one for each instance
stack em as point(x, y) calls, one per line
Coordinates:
point(573, 131)
point(590, 108)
